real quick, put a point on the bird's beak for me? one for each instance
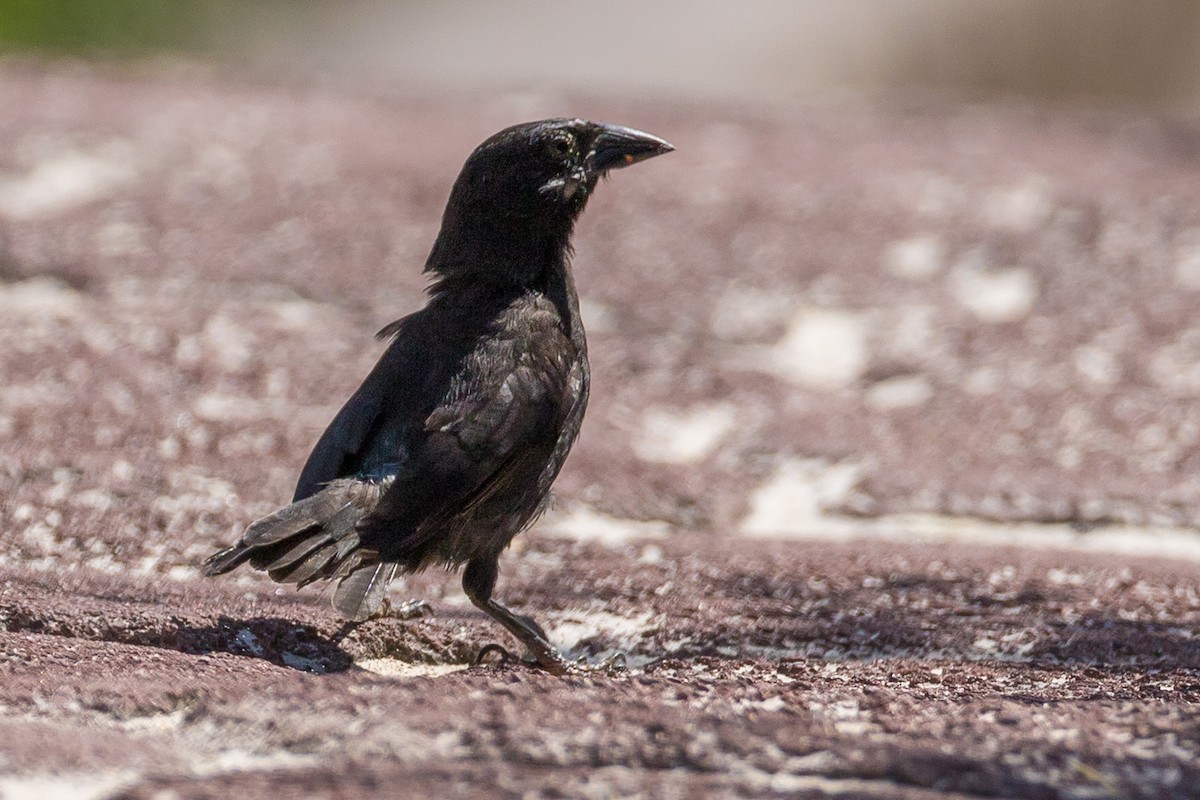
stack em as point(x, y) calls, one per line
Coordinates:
point(617, 147)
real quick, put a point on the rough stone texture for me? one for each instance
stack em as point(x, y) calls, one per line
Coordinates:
point(890, 323)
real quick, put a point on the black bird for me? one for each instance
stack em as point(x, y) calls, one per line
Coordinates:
point(449, 447)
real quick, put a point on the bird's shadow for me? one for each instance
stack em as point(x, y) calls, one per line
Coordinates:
point(279, 641)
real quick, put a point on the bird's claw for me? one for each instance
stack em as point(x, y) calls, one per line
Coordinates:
point(615, 663)
point(487, 650)
point(550, 661)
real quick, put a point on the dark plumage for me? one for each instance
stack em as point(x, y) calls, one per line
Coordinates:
point(449, 447)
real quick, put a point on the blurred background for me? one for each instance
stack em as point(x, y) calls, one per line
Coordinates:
point(1100, 51)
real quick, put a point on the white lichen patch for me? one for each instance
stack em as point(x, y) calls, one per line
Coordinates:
point(683, 436)
point(994, 295)
point(1012, 647)
point(395, 668)
point(584, 524)
point(64, 181)
point(215, 407)
point(909, 333)
point(1133, 540)
point(745, 315)
point(153, 724)
point(598, 317)
point(239, 760)
point(67, 785)
point(191, 495)
point(619, 634)
point(296, 315)
point(1187, 261)
point(917, 258)
point(39, 297)
point(1097, 365)
point(218, 407)
point(902, 391)
point(42, 395)
point(823, 349)
point(227, 343)
point(797, 496)
point(1020, 208)
point(183, 572)
point(1176, 366)
point(983, 381)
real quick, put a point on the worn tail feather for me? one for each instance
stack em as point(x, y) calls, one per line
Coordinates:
point(360, 594)
point(304, 541)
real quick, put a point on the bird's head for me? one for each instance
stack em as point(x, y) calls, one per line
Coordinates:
point(549, 168)
point(526, 185)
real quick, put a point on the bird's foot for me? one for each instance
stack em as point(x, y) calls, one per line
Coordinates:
point(412, 609)
point(551, 661)
point(548, 660)
point(614, 664)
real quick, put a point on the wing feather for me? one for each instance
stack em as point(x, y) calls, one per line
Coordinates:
point(348, 438)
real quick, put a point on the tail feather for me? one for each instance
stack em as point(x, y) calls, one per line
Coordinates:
point(315, 538)
point(341, 529)
point(299, 549)
point(360, 594)
point(343, 526)
point(226, 560)
point(295, 518)
point(346, 547)
point(310, 569)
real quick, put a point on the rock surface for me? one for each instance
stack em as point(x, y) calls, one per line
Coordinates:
point(885, 490)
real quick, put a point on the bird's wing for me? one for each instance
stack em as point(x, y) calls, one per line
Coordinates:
point(504, 404)
point(341, 440)
point(349, 435)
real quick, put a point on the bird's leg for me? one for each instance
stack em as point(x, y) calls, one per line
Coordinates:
point(479, 579)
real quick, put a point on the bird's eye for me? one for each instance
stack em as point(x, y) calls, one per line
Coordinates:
point(559, 146)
